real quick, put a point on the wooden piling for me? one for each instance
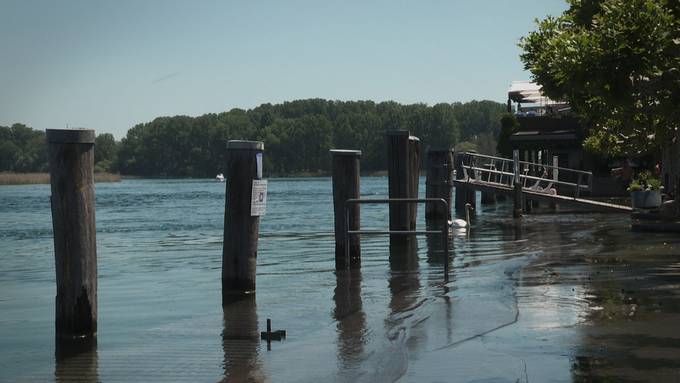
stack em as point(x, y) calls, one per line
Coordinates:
point(71, 163)
point(488, 198)
point(464, 194)
point(517, 211)
point(414, 174)
point(438, 183)
point(402, 171)
point(346, 185)
point(241, 228)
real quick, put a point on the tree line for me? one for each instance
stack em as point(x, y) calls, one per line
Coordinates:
point(297, 136)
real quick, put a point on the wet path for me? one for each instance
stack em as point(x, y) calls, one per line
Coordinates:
point(555, 298)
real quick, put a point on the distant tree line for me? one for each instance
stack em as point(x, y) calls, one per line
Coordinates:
point(297, 136)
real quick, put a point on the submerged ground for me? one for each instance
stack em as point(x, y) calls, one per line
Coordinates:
point(567, 297)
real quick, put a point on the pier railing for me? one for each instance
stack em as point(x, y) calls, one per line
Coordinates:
point(536, 177)
point(444, 232)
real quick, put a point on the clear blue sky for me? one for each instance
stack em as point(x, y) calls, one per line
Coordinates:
point(109, 65)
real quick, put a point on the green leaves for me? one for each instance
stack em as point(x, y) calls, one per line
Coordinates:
point(615, 62)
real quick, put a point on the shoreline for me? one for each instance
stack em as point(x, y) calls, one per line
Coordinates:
point(7, 178)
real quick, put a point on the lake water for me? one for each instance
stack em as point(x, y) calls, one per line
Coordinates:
point(568, 297)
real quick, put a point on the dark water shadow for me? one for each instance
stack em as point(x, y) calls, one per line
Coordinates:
point(241, 341)
point(350, 317)
point(76, 360)
point(404, 286)
point(435, 245)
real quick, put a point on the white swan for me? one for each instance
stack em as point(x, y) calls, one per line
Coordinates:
point(459, 223)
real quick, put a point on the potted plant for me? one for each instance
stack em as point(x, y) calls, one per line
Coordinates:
point(645, 191)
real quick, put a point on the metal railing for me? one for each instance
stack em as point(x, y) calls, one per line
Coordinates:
point(536, 177)
point(444, 232)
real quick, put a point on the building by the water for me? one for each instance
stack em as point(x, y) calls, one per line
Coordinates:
point(547, 128)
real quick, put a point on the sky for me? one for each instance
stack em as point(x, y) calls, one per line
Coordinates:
point(109, 65)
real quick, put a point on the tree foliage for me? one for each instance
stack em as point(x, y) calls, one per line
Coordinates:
point(617, 62)
point(297, 135)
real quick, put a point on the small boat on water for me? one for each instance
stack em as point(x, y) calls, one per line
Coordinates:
point(219, 177)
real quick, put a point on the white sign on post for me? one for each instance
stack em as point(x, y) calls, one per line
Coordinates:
point(258, 201)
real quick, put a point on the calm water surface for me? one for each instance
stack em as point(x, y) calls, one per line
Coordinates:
point(567, 297)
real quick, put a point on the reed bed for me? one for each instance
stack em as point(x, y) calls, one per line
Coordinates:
point(8, 178)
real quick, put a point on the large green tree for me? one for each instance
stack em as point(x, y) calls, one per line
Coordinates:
point(617, 63)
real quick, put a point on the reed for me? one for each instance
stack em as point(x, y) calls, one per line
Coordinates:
point(8, 178)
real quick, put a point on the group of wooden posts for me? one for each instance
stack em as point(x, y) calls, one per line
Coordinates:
point(71, 161)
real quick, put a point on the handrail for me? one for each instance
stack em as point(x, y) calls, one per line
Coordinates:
point(526, 163)
point(525, 176)
point(479, 166)
point(444, 232)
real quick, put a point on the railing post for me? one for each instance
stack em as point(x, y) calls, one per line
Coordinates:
point(71, 162)
point(517, 211)
point(241, 227)
point(555, 177)
point(346, 185)
point(438, 182)
point(578, 185)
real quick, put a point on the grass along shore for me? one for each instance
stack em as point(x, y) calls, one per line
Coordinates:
point(7, 178)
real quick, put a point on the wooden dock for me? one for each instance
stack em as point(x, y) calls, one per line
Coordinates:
point(499, 175)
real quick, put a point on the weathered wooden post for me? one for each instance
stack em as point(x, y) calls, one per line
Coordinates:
point(402, 173)
point(438, 183)
point(517, 211)
point(464, 194)
point(346, 185)
point(71, 162)
point(414, 174)
point(245, 200)
point(488, 197)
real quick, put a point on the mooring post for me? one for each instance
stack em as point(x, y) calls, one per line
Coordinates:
point(517, 211)
point(438, 183)
point(346, 185)
point(464, 195)
point(71, 162)
point(241, 218)
point(402, 156)
point(414, 177)
point(488, 197)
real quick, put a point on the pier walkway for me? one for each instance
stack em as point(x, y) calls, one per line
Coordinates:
point(539, 182)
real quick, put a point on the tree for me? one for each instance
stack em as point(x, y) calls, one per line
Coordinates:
point(617, 63)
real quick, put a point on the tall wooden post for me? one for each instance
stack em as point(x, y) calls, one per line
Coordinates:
point(438, 183)
point(346, 185)
point(71, 162)
point(464, 194)
point(402, 171)
point(241, 228)
point(414, 181)
point(517, 211)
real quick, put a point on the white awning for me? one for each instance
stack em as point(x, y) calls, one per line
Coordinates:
point(528, 91)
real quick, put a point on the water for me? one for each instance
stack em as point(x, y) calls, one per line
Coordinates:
point(556, 297)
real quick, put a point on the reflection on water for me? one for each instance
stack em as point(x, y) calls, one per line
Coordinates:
point(351, 320)
point(241, 342)
point(76, 360)
point(543, 298)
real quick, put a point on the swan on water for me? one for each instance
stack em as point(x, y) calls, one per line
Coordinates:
point(460, 223)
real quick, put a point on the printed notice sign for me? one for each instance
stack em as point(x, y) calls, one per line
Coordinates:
point(258, 202)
